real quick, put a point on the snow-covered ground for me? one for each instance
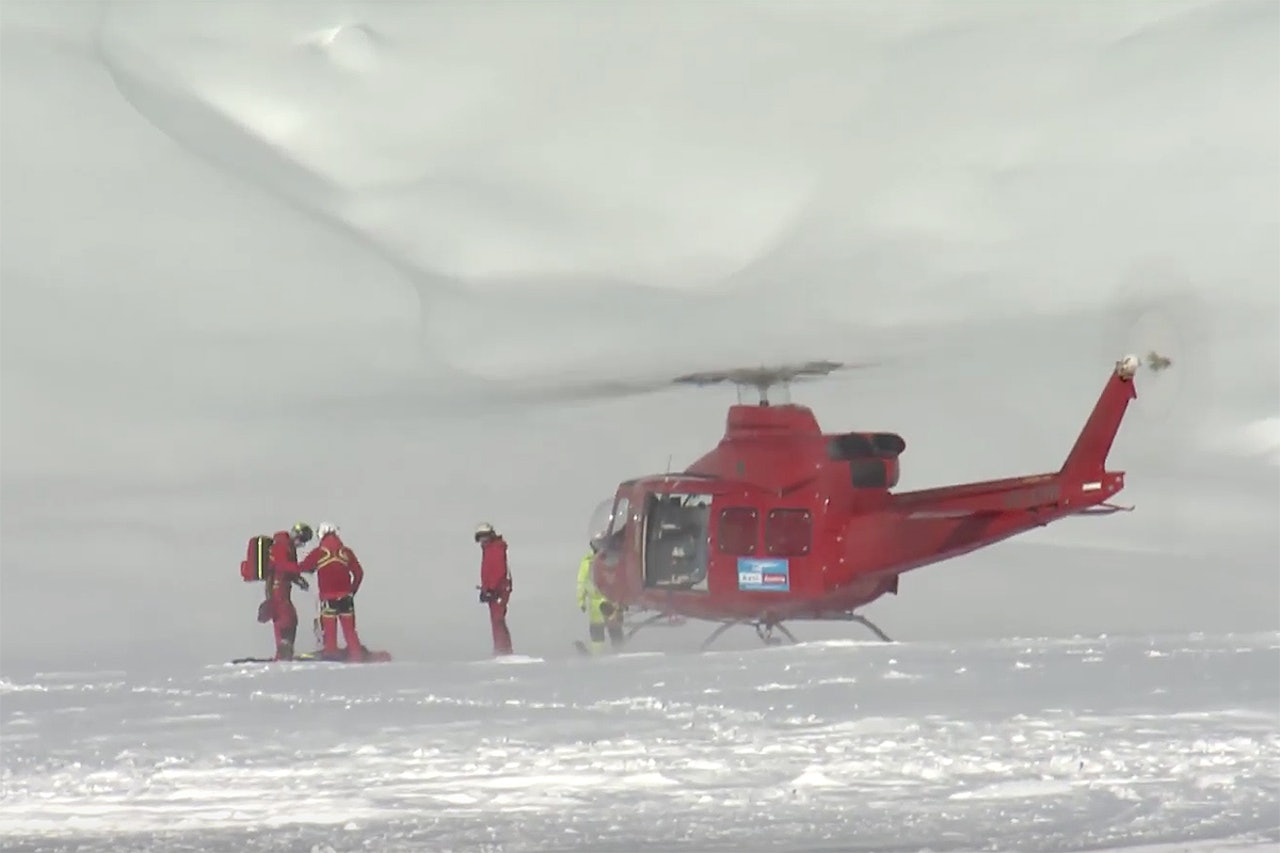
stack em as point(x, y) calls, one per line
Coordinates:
point(365, 262)
point(1015, 745)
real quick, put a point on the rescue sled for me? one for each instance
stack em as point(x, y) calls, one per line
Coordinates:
point(370, 656)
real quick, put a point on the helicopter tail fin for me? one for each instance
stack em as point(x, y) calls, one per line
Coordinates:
point(1088, 457)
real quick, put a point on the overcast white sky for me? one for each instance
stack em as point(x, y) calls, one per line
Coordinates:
point(255, 271)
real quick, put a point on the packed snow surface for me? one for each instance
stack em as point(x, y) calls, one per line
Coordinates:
point(1027, 745)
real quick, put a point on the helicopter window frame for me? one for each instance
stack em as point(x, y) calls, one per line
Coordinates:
point(744, 538)
point(788, 532)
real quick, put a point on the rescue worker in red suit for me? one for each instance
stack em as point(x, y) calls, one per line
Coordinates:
point(339, 576)
point(277, 606)
point(495, 585)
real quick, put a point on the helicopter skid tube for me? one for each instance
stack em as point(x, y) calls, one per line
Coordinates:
point(652, 620)
point(764, 628)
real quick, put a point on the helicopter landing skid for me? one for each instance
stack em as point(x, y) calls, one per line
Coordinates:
point(873, 627)
point(669, 619)
point(765, 629)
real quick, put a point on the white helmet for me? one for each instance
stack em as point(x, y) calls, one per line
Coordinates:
point(324, 528)
point(484, 529)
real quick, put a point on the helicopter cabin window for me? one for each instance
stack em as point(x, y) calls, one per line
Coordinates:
point(788, 532)
point(739, 529)
point(675, 541)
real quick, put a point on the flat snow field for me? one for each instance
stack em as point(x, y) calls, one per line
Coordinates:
point(1163, 743)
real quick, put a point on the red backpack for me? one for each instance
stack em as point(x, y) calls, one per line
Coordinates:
point(257, 562)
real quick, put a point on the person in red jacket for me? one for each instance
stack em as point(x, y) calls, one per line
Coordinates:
point(339, 576)
point(277, 606)
point(495, 585)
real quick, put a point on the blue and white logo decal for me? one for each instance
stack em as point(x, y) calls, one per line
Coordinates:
point(771, 575)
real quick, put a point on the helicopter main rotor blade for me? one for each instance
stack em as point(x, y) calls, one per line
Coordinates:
point(761, 376)
point(765, 374)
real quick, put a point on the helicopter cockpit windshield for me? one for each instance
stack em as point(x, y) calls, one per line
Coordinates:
point(607, 527)
point(676, 537)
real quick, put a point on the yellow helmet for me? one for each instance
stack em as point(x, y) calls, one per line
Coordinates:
point(301, 533)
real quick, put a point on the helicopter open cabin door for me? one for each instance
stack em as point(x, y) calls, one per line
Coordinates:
point(676, 541)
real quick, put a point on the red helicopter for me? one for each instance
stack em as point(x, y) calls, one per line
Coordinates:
point(782, 522)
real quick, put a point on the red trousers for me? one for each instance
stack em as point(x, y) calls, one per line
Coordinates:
point(498, 624)
point(334, 613)
point(284, 622)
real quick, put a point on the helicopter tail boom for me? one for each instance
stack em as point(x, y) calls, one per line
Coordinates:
point(985, 497)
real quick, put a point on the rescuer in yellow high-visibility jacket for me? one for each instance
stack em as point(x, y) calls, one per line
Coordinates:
point(602, 614)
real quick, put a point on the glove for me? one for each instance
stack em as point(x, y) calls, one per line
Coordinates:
point(302, 582)
point(487, 595)
point(606, 609)
point(265, 611)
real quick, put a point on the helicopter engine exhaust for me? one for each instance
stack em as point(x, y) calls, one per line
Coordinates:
point(872, 457)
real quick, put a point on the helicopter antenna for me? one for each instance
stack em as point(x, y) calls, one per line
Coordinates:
point(761, 378)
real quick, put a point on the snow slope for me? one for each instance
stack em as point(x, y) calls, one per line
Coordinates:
point(1025, 744)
